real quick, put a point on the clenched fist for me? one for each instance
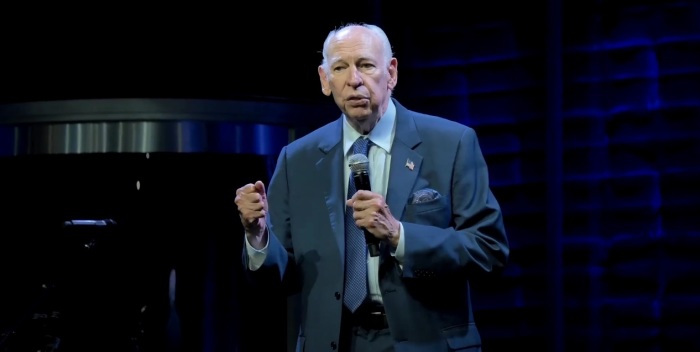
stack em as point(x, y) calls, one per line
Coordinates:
point(252, 209)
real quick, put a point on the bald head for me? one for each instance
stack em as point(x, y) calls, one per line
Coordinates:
point(359, 71)
point(370, 29)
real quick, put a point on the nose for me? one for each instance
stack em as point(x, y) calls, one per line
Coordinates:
point(355, 79)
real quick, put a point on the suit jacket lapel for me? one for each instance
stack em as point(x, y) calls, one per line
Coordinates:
point(331, 179)
point(401, 179)
point(405, 162)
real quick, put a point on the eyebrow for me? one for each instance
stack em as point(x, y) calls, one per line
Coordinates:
point(360, 59)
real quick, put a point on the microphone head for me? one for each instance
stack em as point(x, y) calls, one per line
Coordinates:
point(358, 163)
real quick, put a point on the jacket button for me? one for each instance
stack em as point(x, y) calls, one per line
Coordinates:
point(333, 345)
point(337, 295)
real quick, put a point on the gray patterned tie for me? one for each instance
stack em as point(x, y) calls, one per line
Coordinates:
point(355, 245)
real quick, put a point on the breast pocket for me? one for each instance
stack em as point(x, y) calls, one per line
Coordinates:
point(436, 212)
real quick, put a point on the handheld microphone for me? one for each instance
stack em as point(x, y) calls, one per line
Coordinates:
point(359, 167)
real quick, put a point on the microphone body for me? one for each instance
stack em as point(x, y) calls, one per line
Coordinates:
point(359, 167)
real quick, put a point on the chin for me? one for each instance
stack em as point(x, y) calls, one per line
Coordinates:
point(358, 112)
point(359, 117)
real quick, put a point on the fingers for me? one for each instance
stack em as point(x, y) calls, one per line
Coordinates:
point(369, 209)
point(365, 195)
point(251, 202)
point(366, 200)
point(257, 187)
point(371, 212)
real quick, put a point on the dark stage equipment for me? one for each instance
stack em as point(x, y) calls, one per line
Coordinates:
point(119, 228)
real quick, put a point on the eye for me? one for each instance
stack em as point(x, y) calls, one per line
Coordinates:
point(367, 67)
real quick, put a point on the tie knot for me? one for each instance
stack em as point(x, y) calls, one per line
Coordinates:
point(361, 146)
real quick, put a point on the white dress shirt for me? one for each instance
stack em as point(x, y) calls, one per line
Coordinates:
point(379, 157)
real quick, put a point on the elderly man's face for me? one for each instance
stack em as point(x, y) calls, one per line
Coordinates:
point(358, 76)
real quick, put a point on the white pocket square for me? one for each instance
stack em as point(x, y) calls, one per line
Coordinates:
point(424, 195)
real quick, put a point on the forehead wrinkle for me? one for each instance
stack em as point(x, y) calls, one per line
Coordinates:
point(361, 49)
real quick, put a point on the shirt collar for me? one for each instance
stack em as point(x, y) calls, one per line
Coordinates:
point(381, 134)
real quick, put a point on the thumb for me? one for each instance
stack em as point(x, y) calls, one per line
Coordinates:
point(260, 188)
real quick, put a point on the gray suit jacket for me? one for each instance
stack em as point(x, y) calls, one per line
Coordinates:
point(447, 239)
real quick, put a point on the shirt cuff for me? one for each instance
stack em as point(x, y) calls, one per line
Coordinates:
point(256, 257)
point(398, 252)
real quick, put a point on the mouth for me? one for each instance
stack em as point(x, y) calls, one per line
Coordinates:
point(357, 99)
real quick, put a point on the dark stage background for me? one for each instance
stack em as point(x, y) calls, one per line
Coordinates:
point(587, 112)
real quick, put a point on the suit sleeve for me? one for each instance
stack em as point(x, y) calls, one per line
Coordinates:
point(476, 242)
point(278, 267)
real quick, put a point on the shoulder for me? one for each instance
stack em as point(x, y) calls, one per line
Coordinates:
point(311, 143)
point(434, 125)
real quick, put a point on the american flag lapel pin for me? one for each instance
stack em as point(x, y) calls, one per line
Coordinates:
point(409, 164)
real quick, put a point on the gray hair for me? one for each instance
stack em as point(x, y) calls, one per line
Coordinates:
point(388, 54)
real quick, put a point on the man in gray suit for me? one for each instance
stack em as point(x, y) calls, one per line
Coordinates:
point(430, 209)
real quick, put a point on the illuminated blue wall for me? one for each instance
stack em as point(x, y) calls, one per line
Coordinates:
point(590, 124)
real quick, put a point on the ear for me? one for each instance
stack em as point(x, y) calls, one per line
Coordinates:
point(393, 73)
point(325, 86)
